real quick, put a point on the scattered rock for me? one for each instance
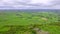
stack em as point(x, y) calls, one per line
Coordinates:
point(38, 31)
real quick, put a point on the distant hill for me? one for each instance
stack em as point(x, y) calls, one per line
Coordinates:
point(34, 10)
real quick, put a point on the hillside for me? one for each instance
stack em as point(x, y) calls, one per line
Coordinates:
point(20, 22)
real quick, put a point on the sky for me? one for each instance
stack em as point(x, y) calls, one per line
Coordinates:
point(29, 4)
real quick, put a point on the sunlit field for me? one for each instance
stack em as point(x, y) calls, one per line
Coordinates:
point(28, 22)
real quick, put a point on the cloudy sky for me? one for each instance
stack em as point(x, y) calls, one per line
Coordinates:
point(29, 4)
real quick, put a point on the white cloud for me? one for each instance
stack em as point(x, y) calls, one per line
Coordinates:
point(30, 4)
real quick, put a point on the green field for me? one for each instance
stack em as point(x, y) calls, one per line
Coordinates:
point(21, 22)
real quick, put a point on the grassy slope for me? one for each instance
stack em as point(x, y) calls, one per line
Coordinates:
point(48, 20)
